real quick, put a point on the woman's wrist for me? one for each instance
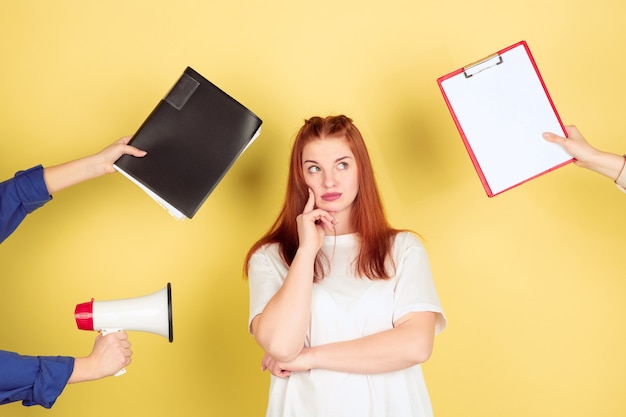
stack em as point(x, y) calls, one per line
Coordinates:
point(605, 163)
point(621, 176)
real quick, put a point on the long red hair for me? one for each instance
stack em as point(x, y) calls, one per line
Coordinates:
point(374, 260)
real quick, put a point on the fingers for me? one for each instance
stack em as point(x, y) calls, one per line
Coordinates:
point(269, 364)
point(125, 148)
point(329, 222)
point(129, 149)
point(318, 216)
point(119, 341)
point(574, 143)
point(120, 335)
point(572, 131)
point(265, 361)
point(310, 203)
point(574, 134)
point(123, 345)
point(110, 354)
point(113, 152)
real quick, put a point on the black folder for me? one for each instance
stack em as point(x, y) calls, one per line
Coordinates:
point(192, 138)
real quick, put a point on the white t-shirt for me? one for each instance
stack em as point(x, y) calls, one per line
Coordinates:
point(344, 307)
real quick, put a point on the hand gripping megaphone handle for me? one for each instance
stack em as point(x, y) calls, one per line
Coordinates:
point(148, 313)
point(106, 332)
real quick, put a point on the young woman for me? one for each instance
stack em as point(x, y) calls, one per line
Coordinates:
point(343, 304)
point(604, 163)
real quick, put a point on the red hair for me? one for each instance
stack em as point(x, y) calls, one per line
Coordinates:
point(368, 217)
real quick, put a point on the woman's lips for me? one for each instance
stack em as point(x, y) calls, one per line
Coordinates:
point(331, 196)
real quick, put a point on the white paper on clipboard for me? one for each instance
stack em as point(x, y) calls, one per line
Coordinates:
point(501, 107)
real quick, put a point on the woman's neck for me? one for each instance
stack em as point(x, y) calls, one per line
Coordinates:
point(344, 225)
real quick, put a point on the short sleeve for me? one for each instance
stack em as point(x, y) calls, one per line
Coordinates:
point(415, 288)
point(266, 274)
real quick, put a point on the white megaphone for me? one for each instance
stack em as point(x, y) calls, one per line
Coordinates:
point(149, 313)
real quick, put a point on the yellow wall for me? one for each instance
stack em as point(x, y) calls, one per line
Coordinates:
point(532, 280)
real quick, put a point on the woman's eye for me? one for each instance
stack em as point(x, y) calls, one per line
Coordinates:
point(343, 165)
point(313, 169)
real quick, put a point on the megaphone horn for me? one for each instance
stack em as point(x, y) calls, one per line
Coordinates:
point(149, 313)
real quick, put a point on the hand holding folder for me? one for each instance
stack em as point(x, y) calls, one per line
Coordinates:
point(501, 107)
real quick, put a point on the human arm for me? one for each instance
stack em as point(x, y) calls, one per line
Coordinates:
point(39, 380)
point(605, 163)
point(34, 380)
point(31, 189)
point(415, 316)
point(408, 343)
point(70, 173)
point(280, 328)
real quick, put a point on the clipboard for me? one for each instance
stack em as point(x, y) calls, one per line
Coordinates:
point(501, 106)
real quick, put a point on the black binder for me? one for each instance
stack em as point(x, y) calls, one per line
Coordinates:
point(192, 138)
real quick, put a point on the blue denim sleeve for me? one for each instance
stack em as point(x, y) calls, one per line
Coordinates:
point(34, 380)
point(20, 196)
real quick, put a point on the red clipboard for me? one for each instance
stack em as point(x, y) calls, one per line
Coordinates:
point(501, 106)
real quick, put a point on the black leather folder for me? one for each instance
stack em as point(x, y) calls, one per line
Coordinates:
point(192, 138)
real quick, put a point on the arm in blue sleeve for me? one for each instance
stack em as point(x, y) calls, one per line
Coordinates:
point(34, 380)
point(20, 196)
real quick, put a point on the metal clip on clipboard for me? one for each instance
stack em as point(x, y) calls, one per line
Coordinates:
point(483, 64)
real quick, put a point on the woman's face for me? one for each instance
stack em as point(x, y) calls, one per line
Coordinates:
point(330, 170)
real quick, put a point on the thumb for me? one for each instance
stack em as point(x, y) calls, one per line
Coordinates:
point(551, 137)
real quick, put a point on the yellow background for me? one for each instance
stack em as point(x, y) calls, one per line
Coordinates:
point(532, 280)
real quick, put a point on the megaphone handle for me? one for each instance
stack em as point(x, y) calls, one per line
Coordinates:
point(106, 332)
